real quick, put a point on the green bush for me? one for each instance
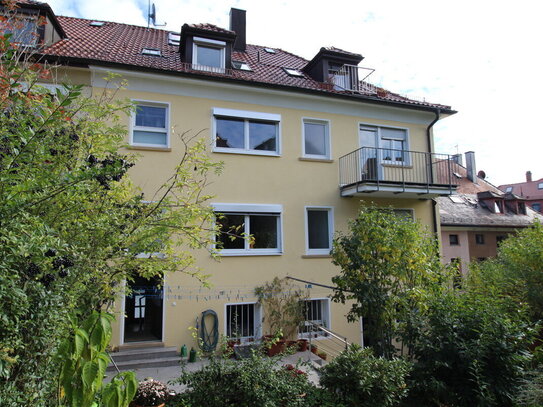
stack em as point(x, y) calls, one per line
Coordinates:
point(358, 378)
point(255, 381)
point(468, 352)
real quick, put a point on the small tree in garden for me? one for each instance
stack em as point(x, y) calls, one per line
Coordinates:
point(71, 221)
point(283, 304)
point(389, 268)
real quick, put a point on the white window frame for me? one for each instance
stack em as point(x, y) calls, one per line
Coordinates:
point(134, 127)
point(379, 144)
point(246, 116)
point(248, 210)
point(328, 144)
point(327, 318)
point(330, 211)
point(257, 318)
point(209, 43)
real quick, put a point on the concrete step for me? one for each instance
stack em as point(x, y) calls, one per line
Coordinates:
point(144, 357)
point(126, 355)
point(145, 363)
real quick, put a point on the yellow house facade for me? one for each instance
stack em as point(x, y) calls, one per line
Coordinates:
point(303, 143)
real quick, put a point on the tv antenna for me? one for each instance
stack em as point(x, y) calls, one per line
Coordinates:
point(151, 15)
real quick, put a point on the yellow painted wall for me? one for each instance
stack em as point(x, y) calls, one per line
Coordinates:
point(284, 180)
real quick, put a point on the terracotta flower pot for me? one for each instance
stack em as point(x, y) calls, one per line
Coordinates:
point(276, 348)
point(314, 349)
point(302, 345)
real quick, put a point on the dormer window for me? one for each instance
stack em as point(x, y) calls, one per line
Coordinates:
point(208, 55)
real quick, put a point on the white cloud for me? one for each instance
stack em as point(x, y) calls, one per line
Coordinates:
point(482, 57)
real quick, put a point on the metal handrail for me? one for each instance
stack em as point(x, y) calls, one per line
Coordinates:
point(331, 333)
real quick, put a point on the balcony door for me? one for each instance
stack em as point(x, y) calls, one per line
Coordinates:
point(370, 162)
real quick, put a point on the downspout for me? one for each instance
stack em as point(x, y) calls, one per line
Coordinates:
point(429, 141)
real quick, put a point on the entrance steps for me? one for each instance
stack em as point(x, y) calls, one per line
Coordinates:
point(141, 357)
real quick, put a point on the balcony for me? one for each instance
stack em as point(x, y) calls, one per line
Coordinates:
point(383, 172)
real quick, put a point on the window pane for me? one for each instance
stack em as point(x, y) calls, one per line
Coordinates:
point(262, 136)
point(230, 133)
point(263, 228)
point(315, 138)
point(231, 225)
point(151, 116)
point(317, 229)
point(209, 56)
point(150, 137)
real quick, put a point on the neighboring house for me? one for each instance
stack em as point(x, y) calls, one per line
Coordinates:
point(531, 191)
point(303, 143)
point(476, 219)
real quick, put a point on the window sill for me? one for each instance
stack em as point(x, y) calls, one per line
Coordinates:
point(320, 160)
point(248, 254)
point(149, 148)
point(246, 152)
point(316, 256)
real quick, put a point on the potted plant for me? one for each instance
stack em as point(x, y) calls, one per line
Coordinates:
point(151, 393)
point(302, 344)
point(322, 355)
point(283, 305)
point(314, 349)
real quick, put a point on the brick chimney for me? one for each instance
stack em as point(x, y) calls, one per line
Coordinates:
point(238, 24)
point(528, 176)
point(470, 166)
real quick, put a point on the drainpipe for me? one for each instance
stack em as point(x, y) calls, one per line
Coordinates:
point(429, 141)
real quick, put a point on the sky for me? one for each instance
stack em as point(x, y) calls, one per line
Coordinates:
point(481, 57)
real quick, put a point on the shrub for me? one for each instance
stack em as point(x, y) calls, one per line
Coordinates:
point(255, 381)
point(151, 393)
point(358, 378)
point(468, 352)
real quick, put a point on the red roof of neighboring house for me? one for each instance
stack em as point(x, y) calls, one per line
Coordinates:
point(120, 45)
point(528, 190)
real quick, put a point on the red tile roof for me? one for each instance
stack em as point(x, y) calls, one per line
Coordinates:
point(121, 45)
point(528, 190)
point(211, 27)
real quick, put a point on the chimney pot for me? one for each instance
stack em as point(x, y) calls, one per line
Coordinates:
point(470, 166)
point(528, 176)
point(239, 26)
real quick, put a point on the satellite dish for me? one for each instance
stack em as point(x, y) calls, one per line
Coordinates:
point(151, 15)
point(481, 174)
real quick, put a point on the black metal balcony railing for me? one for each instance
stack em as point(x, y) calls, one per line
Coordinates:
point(392, 167)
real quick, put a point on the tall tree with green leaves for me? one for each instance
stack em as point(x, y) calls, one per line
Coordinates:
point(72, 224)
point(389, 266)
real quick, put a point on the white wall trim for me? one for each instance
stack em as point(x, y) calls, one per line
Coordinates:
point(231, 92)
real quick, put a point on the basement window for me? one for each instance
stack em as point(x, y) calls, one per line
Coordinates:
point(151, 52)
point(293, 72)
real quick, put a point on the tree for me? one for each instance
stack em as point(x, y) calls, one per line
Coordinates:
point(389, 267)
point(71, 222)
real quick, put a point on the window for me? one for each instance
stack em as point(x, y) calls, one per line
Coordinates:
point(500, 239)
point(536, 207)
point(509, 189)
point(208, 55)
point(150, 125)
point(270, 50)
point(153, 52)
point(246, 132)
point(294, 72)
point(249, 229)
point(242, 66)
point(97, 23)
point(479, 238)
point(456, 264)
point(24, 32)
point(388, 144)
point(319, 230)
point(453, 240)
point(317, 311)
point(540, 185)
point(243, 321)
point(316, 138)
point(174, 39)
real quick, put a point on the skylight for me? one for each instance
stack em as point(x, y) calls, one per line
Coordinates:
point(97, 23)
point(151, 52)
point(270, 50)
point(243, 66)
point(457, 175)
point(293, 72)
point(174, 38)
point(456, 199)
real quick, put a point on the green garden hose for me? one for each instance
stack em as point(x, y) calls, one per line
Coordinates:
point(209, 338)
